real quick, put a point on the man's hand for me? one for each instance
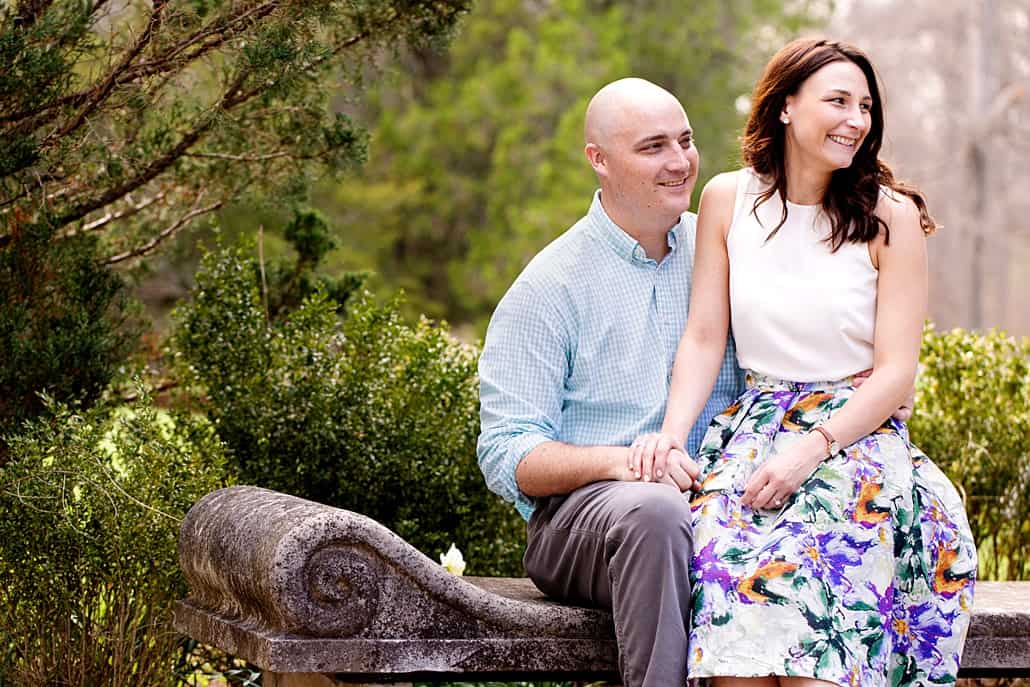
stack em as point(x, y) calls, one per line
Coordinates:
point(653, 456)
point(904, 411)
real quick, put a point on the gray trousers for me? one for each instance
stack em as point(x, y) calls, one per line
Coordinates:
point(626, 547)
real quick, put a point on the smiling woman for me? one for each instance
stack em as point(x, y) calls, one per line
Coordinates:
point(815, 514)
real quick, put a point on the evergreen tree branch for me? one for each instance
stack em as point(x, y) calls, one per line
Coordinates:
point(174, 228)
point(216, 34)
point(231, 98)
point(202, 41)
point(115, 216)
point(103, 90)
point(29, 11)
point(249, 158)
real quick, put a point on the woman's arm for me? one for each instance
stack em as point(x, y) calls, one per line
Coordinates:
point(901, 304)
point(701, 349)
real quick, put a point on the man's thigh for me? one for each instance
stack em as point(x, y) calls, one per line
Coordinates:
point(571, 539)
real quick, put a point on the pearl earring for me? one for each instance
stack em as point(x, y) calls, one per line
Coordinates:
point(785, 119)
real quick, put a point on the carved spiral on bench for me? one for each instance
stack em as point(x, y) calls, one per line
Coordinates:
point(280, 562)
point(343, 583)
point(277, 563)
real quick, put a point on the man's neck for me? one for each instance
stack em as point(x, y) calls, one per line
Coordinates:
point(652, 236)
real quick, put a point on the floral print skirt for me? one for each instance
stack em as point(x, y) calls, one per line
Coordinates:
point(864, 577)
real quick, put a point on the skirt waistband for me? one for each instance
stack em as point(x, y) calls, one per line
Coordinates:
point(754, 380)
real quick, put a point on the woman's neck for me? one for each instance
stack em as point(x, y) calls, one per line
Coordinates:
point(806, 185)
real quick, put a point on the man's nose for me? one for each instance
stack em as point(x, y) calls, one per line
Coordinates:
point(680, 157)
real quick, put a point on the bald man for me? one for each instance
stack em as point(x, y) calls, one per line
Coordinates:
point(576, 364)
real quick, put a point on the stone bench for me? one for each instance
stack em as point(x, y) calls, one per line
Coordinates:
point(315, 595)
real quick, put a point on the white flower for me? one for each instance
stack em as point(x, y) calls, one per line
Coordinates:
point(453, 561)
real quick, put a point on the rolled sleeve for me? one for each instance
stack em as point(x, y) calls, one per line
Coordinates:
point(522, 372)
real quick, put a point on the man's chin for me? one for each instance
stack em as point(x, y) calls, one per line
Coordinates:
point(677, 203)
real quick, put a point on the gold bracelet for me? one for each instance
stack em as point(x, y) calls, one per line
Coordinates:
point(831, 444)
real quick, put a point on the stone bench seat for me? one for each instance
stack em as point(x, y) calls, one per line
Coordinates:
point(316, 595)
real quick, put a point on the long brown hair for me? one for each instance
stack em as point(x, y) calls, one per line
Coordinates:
point(850, 199)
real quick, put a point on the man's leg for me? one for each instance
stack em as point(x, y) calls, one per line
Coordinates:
point(625, 546)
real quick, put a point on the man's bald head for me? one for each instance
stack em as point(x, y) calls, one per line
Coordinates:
point(621, 104)
point(640, 145)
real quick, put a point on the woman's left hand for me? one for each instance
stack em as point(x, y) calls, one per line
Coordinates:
point(778, 479)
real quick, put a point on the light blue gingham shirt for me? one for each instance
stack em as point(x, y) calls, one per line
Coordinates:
point(581, 347)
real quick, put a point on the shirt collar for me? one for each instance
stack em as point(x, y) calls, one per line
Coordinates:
point(624, 245)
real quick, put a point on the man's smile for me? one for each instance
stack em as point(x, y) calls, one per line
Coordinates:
point(674, 183)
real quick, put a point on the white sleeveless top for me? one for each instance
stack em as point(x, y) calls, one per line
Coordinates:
point(799, 312)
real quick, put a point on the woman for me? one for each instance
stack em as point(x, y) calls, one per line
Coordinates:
point(827, 549)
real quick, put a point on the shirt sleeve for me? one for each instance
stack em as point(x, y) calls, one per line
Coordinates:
point(522, 374)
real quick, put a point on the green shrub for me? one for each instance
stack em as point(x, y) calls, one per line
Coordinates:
point(286, 283)
point(972, 417)
point(90, 506)
point(65, 324)
point(364, 413)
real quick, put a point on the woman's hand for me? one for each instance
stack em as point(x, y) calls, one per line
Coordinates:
point(649, 455)
point(778, 479)
point(681, 472)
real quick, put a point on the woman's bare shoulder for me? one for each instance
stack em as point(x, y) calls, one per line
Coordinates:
point(723, 185)
point(898, 211)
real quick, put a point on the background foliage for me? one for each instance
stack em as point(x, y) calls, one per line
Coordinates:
point(66, 325)
point(367, 413)
point(972, 417)
point(121, 123)
point(90, 505)
point(477, 160)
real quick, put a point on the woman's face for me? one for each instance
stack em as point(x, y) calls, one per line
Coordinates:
point(828, 117)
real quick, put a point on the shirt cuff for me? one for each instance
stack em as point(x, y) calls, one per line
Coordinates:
point(518, 448)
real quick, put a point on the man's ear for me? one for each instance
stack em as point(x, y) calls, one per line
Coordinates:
point(596, 157)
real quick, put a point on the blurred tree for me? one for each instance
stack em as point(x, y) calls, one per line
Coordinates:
point(957, 88)
point(120, 125)
point(477, 159)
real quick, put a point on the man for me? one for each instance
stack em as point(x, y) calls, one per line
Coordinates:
point(576, 365)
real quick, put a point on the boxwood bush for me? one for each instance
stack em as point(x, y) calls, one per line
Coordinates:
point(359, 410)
point(90, 507)
point(972, 417)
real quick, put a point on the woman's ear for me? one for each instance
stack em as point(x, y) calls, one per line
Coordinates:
point(788, 105)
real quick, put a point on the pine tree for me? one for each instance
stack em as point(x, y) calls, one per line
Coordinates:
point(121, 126)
